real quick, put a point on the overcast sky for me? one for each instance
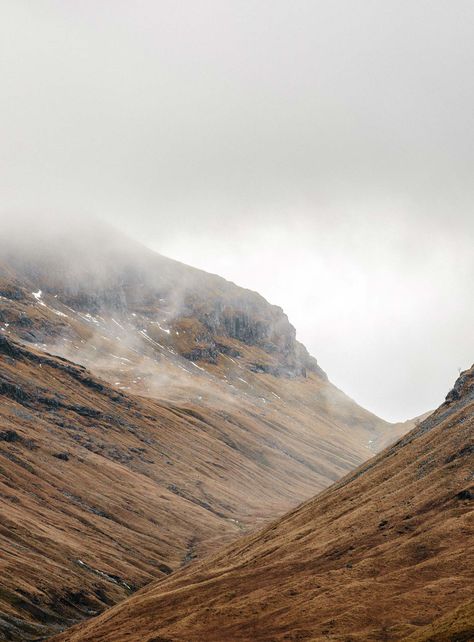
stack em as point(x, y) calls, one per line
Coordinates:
point(320, 152)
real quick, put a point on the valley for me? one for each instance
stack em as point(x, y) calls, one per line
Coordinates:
point(150, 414)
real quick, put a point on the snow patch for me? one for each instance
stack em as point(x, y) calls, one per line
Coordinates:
point(38, 296)
point(117, 323)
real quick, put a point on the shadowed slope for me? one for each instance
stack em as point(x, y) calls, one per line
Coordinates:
point(382, 553)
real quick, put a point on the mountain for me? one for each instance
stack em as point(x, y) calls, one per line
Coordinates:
point(384, 554)
point(150, 413)
point(178, 306)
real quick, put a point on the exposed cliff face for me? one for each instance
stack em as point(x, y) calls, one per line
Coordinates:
point(384, 554)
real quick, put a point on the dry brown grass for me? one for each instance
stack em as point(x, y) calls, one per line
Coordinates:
point(384, 554)
point(147, 485)
point(114, 482)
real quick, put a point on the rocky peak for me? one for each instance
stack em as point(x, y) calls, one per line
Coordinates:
point(463, 387)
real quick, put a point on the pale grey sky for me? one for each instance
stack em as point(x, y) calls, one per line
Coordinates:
point(320, 152)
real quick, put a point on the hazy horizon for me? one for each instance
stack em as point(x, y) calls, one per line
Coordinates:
point(318, 152)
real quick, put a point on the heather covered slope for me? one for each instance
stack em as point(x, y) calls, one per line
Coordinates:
point(103, 491)
point(91, 504)
point(382, 555)
point(456, 626)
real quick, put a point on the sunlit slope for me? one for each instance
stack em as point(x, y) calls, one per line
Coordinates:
point(381, 555)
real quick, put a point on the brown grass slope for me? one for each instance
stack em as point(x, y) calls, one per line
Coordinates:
point(178, 412)
point(90, 502)
point(456, 626)
point(381, 555)
point(102, 491)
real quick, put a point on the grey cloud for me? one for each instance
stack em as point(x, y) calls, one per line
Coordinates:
point(318, 151)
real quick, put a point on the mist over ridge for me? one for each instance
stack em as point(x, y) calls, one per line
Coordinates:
point(356, 288)
point(320, 153)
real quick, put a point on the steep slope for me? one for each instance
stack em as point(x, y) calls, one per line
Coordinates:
point(381, 555)
point(102, 491)
point(207, 419)
point(456, 626)
point(102, 272)
point(157, 327)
